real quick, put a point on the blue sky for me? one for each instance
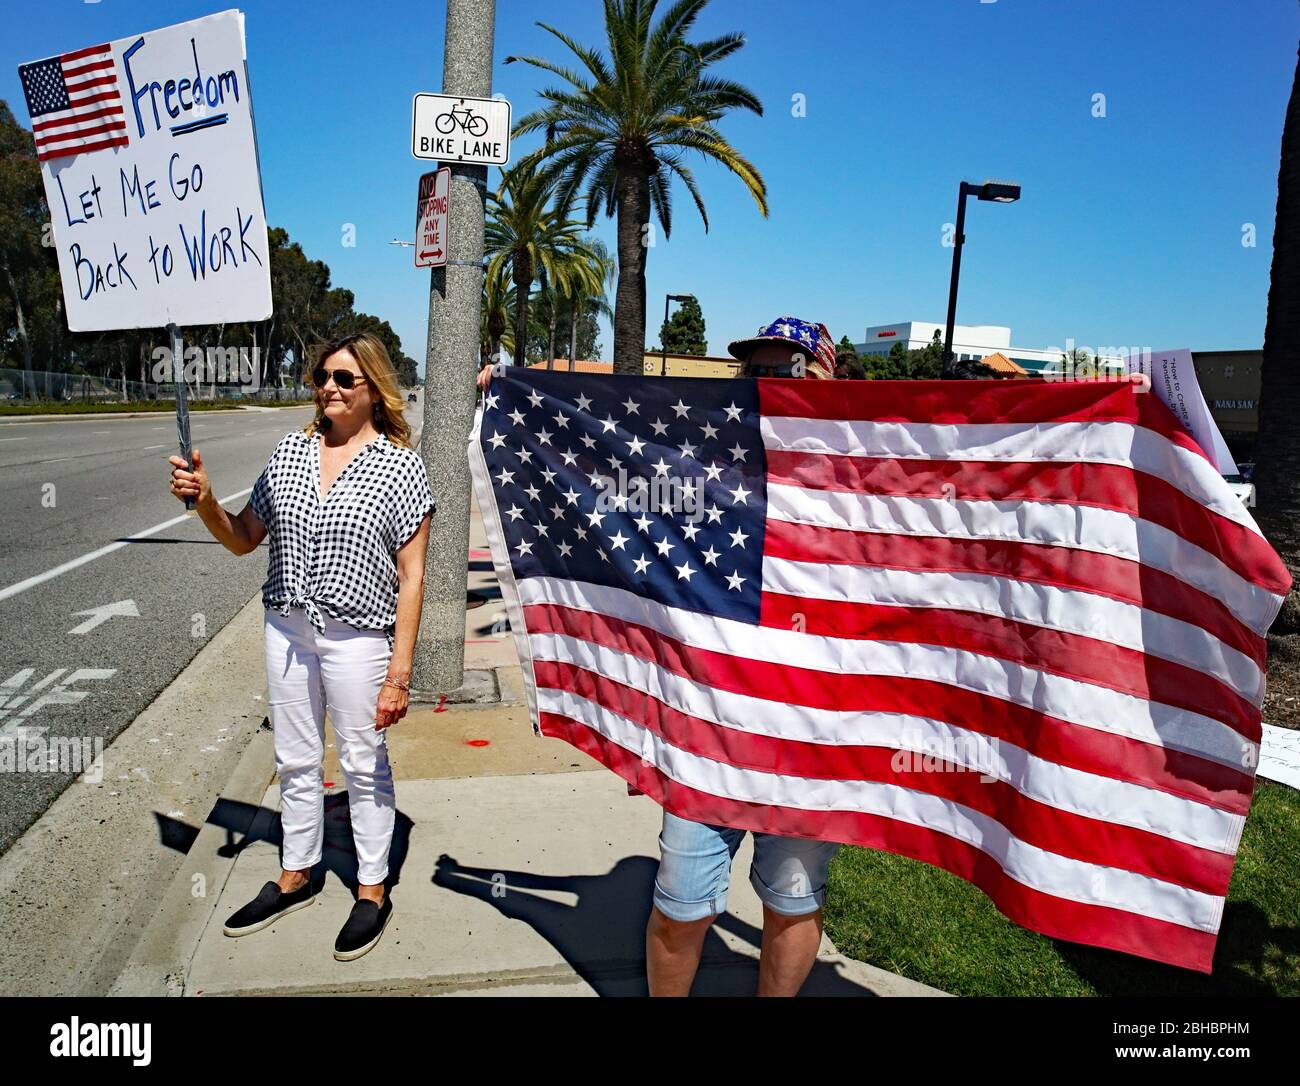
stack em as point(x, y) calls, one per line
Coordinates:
point(1129, 231)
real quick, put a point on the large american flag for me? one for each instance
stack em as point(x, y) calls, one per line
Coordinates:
point(1015, 629)
point(74, 103)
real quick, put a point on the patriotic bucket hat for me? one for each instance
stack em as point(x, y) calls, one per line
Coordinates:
point(813, 339)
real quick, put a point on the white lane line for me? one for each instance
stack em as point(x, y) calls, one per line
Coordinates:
point(148, 447)
point(13, 439)
point(56, 460)
point(57, 571)
point(101, 431)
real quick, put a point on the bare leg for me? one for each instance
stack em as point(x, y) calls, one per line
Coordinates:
point(789, 950)
point(292, 880)
point(373, 893)
point(672, 953)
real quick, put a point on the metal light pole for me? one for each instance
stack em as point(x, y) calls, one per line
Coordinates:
point(451, 362)
point(663, 343)
point(999, 192)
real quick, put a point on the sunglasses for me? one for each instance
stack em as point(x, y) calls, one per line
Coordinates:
point(342, 378)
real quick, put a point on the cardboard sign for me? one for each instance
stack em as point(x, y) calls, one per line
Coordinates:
point(1173, 379)
point(431, 210)
point(149, 159)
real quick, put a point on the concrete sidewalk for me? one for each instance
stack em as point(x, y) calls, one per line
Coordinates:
point(521, 867)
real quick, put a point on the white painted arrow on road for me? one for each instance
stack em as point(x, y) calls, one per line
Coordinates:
point(124, 608)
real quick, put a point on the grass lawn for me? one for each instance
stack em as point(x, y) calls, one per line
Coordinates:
point(59, 407)
point(921, 922)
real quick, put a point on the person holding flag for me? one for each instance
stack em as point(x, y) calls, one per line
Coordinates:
point(788, 873)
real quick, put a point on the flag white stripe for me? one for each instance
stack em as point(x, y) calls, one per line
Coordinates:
point(1079, 527)
point(1089, 795)
point(1090, 706)
point(1040, 869)
point(1118, 443)
point(1048, 606)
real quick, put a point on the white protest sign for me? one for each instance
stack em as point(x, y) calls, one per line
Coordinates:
point(1173, 379)
point(1279, 755)
point(431, 219)
point(150, 166)
point(449, 128)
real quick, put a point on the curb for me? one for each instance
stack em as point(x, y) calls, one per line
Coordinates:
point(159, 965)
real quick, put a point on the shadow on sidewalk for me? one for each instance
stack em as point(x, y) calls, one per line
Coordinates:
point(246, 824)
point(602, 935)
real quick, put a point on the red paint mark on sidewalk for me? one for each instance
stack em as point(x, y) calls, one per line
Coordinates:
point(478, 742)
point(441, 707)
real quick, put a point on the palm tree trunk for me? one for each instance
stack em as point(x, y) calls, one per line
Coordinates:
point(573, 333)
point(523, 276)
point(1277, 450)
point(633, 202)
point(550, 338)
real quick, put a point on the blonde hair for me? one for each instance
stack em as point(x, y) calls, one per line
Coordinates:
point(372, 357)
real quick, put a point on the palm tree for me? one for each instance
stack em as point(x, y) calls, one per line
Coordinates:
point(1277, 451)
point(528, 233)
point(622, 128)
point(498, 304)
point(586, 294)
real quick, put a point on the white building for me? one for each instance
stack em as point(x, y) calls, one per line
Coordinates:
point(970, 341)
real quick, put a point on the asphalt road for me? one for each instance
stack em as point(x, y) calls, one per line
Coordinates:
point(71, 489)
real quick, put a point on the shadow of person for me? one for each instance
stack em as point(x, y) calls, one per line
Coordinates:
point(246, 824)
point(602, 934)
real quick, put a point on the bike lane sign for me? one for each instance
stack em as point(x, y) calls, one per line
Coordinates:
point(453, 129)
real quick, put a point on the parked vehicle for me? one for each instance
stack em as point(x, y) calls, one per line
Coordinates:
point(1243, 489)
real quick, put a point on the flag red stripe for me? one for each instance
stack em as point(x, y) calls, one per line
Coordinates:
point(53, 138)
point(75, 92)
point(1064, 567)
point(82, 69)
point(1075, 656)
point(1056, 917)
point(1106, 486)
point(67, 152)
point(91, 99)
point(1015, 401)
point(65, 57)
point(1063, 742)
point(79, 117)
point(1064, 832)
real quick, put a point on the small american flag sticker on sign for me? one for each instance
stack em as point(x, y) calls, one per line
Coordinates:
point(74, 102)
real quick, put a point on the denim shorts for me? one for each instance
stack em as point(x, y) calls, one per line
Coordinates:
point(788, 873)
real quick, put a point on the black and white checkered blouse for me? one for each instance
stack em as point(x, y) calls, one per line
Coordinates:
point(337, 556)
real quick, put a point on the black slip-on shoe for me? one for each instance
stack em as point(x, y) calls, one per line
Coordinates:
point(265, 909)
point(364, 927)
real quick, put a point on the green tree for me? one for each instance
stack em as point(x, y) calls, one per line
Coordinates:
point(846, 344)
point(529, 234)
point(683, 332)
point(621, 129)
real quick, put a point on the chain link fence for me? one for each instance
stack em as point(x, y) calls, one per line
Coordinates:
point(46, 386)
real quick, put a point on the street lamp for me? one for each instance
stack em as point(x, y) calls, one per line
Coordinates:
point(663, 342)
point(998, 192)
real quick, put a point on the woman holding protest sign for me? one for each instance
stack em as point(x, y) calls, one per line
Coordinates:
point(346, 504)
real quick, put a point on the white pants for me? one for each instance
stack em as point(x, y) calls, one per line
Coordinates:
point(343, 668)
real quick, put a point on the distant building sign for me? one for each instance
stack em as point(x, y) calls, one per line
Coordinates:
point(882, 335)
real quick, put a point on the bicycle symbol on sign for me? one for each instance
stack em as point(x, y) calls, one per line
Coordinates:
point(461, 118)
